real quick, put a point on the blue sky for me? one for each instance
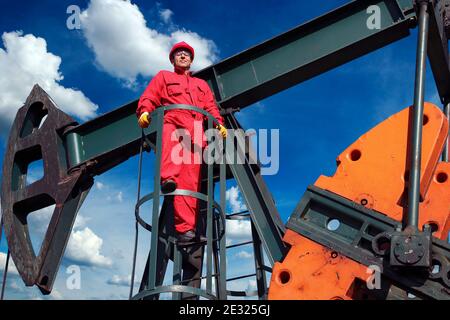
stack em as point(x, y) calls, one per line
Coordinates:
point(317, 119)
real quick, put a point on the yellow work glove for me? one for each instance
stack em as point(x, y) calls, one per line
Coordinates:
point(144, 120)
point(223, 131)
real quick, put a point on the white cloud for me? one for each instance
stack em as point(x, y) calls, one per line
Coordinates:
point(99, 185)
point(26, 61)
point(35, 171)
point(251, 286)
point(233, 197)
point(238, 230)
point(15, 287)
point(244, 255)
point(120, 196)
point(247, 285)
point(80, 222)
point(38, 220)
point(117, 32)
point(117, 254)
point(84, 247)
point(123, 281)
point(11, 266)
point(117, 197)
point(166, 15)
point(56, 295)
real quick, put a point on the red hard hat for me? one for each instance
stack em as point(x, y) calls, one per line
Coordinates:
point(181, 45)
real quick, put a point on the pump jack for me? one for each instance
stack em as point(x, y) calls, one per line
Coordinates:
point(390, 193)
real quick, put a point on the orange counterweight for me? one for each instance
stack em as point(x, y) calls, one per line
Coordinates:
point(373, 172)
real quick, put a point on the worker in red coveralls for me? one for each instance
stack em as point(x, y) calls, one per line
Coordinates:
point(179, 87)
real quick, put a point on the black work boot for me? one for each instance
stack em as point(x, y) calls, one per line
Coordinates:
point(168, 186)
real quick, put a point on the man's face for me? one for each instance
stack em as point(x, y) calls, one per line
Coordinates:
point(182, 59)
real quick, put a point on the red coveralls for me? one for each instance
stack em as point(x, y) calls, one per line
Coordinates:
point(173, 88)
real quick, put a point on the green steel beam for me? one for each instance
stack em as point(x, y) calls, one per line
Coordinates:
point(306, 51)
point(107, 140)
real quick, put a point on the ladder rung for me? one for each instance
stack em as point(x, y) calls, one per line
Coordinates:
point(236, 293)
point(237, 213)
point(242, 277)
point(238, 244)
point(238, 217)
